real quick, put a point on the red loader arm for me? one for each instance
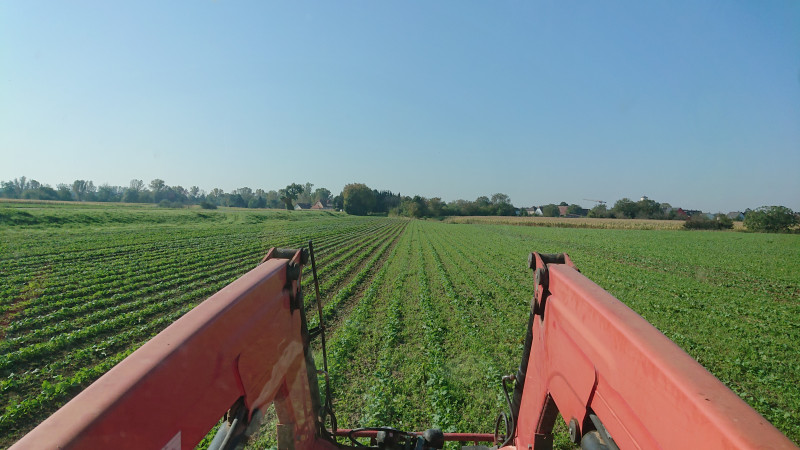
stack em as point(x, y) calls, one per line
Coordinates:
point(241, 349)
point(615, 379)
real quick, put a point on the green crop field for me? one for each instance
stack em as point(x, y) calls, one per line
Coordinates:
point(425, 316)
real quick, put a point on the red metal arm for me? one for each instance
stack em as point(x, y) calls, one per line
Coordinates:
point(592, 354)
point(244, 343)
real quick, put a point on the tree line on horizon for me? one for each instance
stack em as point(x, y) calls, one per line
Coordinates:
point(359, 199)
point(157, 191)
point(355, 198)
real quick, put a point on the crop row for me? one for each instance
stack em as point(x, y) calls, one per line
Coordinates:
point(331, 307)
point(100, 314)
point(67, 345)
point(93, 274)
point(157, 277)
point(118, 263)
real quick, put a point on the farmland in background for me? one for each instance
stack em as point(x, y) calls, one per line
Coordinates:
point(425, 316)
point(578, 222)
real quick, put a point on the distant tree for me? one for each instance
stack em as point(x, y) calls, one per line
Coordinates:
point(599, 211)
point(157, 184)
point(236, 201)
point(130, 196)
point(358, 199)
point(7, 189)
point(436, 207)
point(306, 195)
point(458, 208)
point(290, 193)
point(273, 199)
point(158, 188)
point(18, 186)
point(724, 222)
point(257, 202)
point(195, 194)
point(246, 193)
point(386, 201)
point(648, 209)
point(771, 219)
point(47, 193)
point(575, 209)
point(625, 208)
point(136, 185)
point(703, 222)
point(178, 194)
point(338, 202)
point(107, 193)
point(550, 210)
point(500, 198)
point(504, 209)
point(215, 196)
point(64, 192)
point(83, 190)
point(322, 195)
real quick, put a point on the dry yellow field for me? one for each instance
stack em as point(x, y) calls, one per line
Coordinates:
point(583, 222)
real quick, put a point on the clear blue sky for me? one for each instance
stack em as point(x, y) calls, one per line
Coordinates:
point(692, 103)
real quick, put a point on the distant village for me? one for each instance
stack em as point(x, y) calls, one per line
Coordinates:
point(645, 208)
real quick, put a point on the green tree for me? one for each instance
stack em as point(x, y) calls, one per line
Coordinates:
point(703, 222)
point(599, 210)
point(106, 193)
point(159, 188)
point(246, 193)
point(290, 193)
point(64, 192)
point(625, 208)
point(550, 210)
point(257, 202)
point(273, 199)
point(771, 219)
point(338, 202)
point(500, 198)
point(436, 207)
point(575, 209)
point(648, 209)
point(195, 194)
point(136, 185)
point(322, 195)
point(157, 185)
point(83, 190)
point(358, 199)
point(724, 222)
point(130, 196)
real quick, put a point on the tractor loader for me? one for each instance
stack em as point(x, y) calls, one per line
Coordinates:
point(617, 382)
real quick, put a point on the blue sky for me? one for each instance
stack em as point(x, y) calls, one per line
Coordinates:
point(692, 103)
